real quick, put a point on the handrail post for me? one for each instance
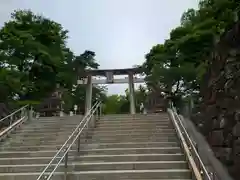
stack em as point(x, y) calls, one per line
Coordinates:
point(30, 114)
point(78, 143)
point(96, 114)
point(11, 120)
point(22, 113)
point(95, 118)
point(66, 166)
point(100, 110)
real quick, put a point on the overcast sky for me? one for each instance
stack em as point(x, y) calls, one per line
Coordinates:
point(120, 32)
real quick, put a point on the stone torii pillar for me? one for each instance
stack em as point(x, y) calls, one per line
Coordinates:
point(88, 103)
point(109, 75)
point(131, 93)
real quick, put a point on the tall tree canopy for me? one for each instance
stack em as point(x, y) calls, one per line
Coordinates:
point(179, 63)
point(33, 46)
point(34, 58)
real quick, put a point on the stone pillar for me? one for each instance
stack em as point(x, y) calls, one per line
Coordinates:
point(88, 101)
point(131, 93)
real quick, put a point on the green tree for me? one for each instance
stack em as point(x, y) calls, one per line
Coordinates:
point(177, 65)
point(33, 46)
point(113, 104)
point(34, 58)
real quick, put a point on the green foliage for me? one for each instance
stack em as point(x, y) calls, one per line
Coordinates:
point(33, 45)
point(120, 104)
point(34, 58)
point(114, 104)
point(178, 65)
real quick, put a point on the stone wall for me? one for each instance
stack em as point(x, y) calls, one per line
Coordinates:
point(219, 119)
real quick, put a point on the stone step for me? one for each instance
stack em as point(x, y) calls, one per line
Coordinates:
point(167, 174)
point(133, 117)
point(37, 135)
point(91, 146)
point(133, 139)
point(95, 158)
point(52, 130)
point(95, 166)
point(50, 127)
point(98, 125)
point(120, 129)
point(109, 151)
point(43, 153)
point(27, 134)
point(43, 137)
point(49, 130)
point(146, 125)
point(142, 150)
point(54, 119)
point(133, 121)
point(136, 174)
point(107, 117)
point(125, 136)
point(26, 168)
point(29, 160)
point(136, 165)
point(131, 144)
point(115, 128)
point(59, 119)
point(29, 148)
point(131, 157)
point(23, 139)
point(32, 148)
point(126, 131)
point(17, 143)
point(40, 134)
point(40, 122)
point(43, 124)
point(134, 131)
point(66, 119)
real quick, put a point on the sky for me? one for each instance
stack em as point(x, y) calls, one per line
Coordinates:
point(120, 32)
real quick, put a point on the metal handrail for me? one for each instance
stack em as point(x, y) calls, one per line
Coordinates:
point(203, 169)
point(15, 112)
point(65, 147)
point(186, 149)
point(12, 120)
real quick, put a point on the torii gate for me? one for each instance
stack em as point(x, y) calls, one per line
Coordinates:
point(108, 75)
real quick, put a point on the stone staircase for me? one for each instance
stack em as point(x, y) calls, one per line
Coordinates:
point(29, 149)
point(133, 147)
point(120, 147)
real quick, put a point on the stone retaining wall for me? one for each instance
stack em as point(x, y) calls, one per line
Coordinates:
point(219, 119)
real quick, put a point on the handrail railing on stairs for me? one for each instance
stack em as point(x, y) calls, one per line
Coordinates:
point(199, 169)
point(62, 153)
point(9, 122)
